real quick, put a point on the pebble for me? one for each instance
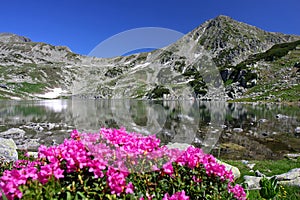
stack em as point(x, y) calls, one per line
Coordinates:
point(292, 155)
point(281, 116)
point(50, 126)
point(238, 130)
point(270, 140)
point(39, 128)
point(245, 162)
point(262, 120)
point(48, 133)
point(250, 166)
point(223, 126)
point(259, 174)
point(264, 134)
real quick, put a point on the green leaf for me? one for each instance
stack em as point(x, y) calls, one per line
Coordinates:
point(81, 194)
point(69, 197)
point(3, 196)
point(269, 188)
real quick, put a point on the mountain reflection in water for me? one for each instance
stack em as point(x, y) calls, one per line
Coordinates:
point(231, 130)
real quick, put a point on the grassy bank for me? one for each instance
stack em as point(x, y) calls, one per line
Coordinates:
point(269, 168)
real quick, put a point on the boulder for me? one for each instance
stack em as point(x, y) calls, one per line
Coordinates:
point(252, 182)
point(235, 171)
point(180, 146)
point(291, 178)
point(293, 182)
point(8, 150)
point(15, 133)
point(29, 144)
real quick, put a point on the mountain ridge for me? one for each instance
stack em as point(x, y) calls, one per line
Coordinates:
point(181, 70)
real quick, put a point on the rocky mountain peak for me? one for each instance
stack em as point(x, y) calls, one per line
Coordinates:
point(12, 38)
point(222, 18)
point(231, 41)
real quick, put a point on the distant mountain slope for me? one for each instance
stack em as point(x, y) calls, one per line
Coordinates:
point(9, 38)
point(217, 60)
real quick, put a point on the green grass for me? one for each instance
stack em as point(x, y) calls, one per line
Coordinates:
point(292, 193)
point(278, 51)
point(269, 168)
point(4, 94)
point(158, 92)
point(28, 87)
point(140, 91)
point(290, 94)
point(21, 89)
point(274, 53)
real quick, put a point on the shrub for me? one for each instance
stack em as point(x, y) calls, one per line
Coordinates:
point(114, 164)
point(158, 92)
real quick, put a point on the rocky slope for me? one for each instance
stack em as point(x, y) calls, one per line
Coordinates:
point(275, 75)
point(218, 51)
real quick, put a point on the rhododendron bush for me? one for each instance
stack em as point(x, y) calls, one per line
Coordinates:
point(114, 164)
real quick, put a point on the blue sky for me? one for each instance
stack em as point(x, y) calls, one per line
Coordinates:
point(83, 24)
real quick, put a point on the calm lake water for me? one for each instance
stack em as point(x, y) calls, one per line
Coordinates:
point(231, 130)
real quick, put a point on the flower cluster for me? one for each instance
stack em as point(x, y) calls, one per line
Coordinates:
point(237, 190)
point(177, 196)
point(113, 154)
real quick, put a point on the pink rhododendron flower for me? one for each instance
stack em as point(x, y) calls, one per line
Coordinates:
point(177, 196)
point(97, 166)
point(168, 168)
point(116, 180)
point(49, 170)
point(75, 135)
point(191, 157)
point(10, 182)
point(238, 191)
point(129, 188)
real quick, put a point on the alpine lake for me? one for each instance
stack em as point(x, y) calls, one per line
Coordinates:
point(227, 130)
